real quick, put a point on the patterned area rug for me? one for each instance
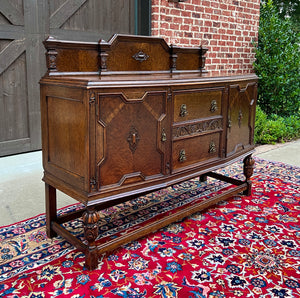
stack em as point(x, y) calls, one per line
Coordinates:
point(244, 247)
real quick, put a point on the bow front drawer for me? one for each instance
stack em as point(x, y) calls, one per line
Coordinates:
point(193, 151)
point(197, 103)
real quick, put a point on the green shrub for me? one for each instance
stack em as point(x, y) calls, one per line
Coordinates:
point(260, 123)
point(274, 128)
point(293, 127)
point(289, 8)
point(277, 64)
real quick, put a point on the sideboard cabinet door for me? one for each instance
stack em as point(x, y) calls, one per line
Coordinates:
point(241, 117)
point(132, 133)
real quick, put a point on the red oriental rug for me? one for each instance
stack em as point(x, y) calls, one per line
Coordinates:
point(244, 247)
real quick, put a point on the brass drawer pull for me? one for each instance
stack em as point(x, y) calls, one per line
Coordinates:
point(163, 135)
point(183, 110)
point(213, 106)
point(182, 155)
point(212, 147)
point(140, 56)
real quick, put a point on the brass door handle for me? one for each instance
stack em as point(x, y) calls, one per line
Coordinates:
point(212, 147)
point(229, 123)
point(163, 135)
point(133, 139)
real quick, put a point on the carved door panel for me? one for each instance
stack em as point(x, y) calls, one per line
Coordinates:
point(131, 136)
point(241, 117)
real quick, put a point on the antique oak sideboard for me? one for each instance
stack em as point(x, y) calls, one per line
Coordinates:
point(133, 115)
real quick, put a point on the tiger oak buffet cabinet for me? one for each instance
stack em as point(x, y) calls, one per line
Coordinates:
point(133, 115)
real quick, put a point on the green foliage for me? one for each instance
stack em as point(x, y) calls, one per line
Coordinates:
point(260, 123)
point(272, 129)
point(277, 64)
point(290, 8)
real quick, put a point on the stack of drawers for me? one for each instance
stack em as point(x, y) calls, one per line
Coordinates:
point(197, 127)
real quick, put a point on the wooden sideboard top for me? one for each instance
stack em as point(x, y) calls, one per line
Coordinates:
point(122, 54)
point(94, 81)
point(128, 60)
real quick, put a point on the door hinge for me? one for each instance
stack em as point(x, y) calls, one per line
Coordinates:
point(93, 183)
point(92, 98)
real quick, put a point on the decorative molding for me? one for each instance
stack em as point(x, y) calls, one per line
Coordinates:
point(90, 220)
point(202, 60)
point(248, 172)
point(169, 96)
point(197, 128)
point(51, 60)
point(173, 60)
point(103, 59)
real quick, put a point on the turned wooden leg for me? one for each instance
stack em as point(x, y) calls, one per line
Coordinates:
point(248, 171)
point(203, 178)
point(51, 210)
point(91, 230)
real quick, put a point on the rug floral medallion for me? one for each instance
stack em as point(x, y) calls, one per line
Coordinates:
point(243, 247)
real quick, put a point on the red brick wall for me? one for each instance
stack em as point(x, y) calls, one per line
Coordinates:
point(226, 27)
